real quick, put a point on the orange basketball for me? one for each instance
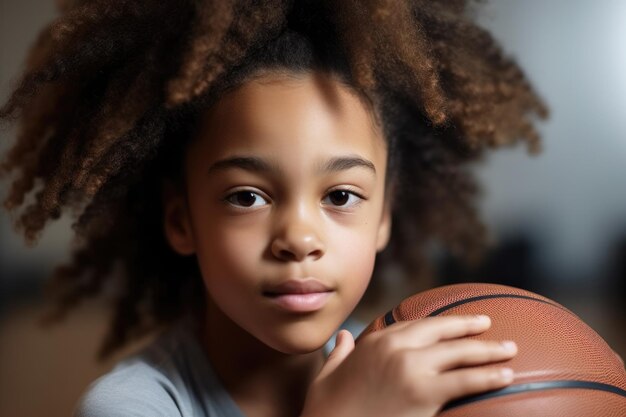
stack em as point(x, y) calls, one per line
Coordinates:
point(562, 368)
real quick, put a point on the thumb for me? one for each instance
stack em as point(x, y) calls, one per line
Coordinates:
point(344, 344)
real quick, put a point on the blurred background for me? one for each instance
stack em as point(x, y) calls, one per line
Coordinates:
point(558, 219)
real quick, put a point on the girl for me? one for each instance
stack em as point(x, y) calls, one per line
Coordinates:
point(236, 166)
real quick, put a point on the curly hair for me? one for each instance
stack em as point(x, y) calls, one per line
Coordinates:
point(112, 91)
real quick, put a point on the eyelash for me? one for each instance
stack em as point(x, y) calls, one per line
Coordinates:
point(228, 199)
point(351, 193)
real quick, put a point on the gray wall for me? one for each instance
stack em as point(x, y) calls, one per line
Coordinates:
point(574, 194)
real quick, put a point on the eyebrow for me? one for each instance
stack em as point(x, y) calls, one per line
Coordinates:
point(248, 163)
point(255, 164)
point(343, 163)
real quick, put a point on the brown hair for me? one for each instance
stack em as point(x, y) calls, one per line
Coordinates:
point(111, 94)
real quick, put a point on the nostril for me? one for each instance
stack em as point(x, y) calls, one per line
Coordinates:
point(287, 255)
point(296, 249)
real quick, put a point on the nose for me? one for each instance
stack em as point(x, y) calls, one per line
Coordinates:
point(297, 239)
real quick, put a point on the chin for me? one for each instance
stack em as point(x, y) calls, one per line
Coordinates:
point(298, 345)
point(298, 348)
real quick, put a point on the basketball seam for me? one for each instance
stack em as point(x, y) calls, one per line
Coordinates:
point(537, 386)
point(488, 296)
point(390, 319)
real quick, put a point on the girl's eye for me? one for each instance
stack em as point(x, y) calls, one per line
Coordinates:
point(342, 198)
point(246, 199)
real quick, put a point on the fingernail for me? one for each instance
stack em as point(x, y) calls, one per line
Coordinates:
point(506, 374)
point(481, 318)
point(509, 346)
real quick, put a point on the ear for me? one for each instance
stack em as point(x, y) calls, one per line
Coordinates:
point(384, 227)
point(176, 220)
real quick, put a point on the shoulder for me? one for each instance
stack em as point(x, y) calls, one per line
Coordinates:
point(133, 388)
point(170, 377)
point(152, 382)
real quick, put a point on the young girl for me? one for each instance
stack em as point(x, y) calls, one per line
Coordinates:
point(237, 166)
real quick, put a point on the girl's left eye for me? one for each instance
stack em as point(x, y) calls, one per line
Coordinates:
point(246, 199)
point(342, 198)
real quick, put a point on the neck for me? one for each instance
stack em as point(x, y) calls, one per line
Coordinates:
point(261, 380)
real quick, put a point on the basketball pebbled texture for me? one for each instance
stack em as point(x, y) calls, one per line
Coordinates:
point(562, 368)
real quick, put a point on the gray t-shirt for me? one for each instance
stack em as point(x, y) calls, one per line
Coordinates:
point(170, 377)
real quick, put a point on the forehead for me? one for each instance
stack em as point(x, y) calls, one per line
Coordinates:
point(305, 114)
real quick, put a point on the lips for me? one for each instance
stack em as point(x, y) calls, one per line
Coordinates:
point(297, 286)
point(299, 296)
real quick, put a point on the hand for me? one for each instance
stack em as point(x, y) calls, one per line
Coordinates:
point(408, 369)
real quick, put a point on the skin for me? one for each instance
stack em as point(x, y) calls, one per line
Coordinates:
point(286, 180)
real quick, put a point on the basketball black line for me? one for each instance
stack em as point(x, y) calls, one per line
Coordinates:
point(485, 297)
point(536, 386)
point(390, 319)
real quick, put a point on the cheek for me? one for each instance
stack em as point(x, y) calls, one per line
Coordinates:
point(354, 254)
point(230, 252)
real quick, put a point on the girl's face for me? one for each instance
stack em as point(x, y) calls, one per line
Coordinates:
point(285, 186)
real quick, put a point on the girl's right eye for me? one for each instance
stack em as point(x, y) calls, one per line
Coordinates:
point(246, 199)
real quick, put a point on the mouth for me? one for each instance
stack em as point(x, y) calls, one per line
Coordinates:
point(299, 296)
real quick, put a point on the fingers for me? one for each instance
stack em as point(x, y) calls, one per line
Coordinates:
point(430, 330)
point(442, 370)
point(344, 344)
point(469, 381)
point(438, 358)
point(453, 354)
point(428, 362)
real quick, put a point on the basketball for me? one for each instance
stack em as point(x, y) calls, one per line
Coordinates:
point(562, 368)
